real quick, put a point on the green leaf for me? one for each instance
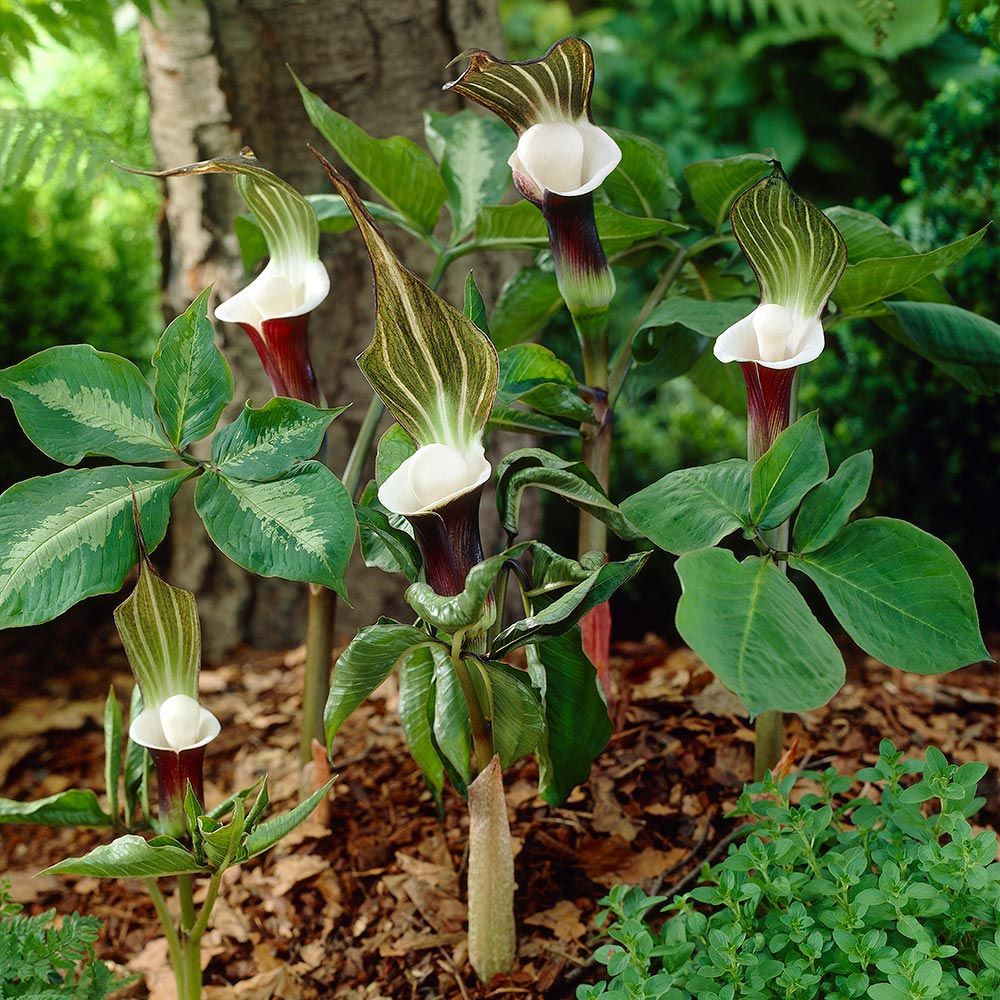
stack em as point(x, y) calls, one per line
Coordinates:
point(385, 542)
point(577, 726)
point(787, 471)
point(75, 807)
point(451, 367)
point(131, 857)
point(298, 527)
point(521, 227)
point(691, 508)
point(268, 833)
point(397, 168)
point(112, 750)
point(715, 184)
point(826, 508)
point(416, 703)
point(961, 343)
point(573, 481)
point(159, 628)
point(526, 303)
point(513, 418)
point(794, 249)
point(901, 594)
point(879, 278)
point(533, 375)
point(70, 536)
point(756, 632)
point(641, 183)
point(721, 383)
point(452, 729)
point(472, 151)
point(394, 448)
point(475, 307)
point(516, 714)
point(73, 401)
point(264, 443)
point(708, 318)
point(368, 659)
point(193, 383)
point(137, 764)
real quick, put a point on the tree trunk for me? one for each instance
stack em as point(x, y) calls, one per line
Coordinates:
point(217, 82)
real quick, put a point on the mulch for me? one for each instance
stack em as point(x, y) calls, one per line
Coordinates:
point(369, 903)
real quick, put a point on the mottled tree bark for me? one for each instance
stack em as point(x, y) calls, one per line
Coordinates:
point(217, 81)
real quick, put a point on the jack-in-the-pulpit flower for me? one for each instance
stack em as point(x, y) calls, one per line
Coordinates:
point(274, 309)
point(159, 629)
point(561, 158)
point(437, 374)
point(798, 257)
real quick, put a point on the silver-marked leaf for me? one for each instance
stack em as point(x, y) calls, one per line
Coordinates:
point(901, 594)
point(641, 183)
point(794, 249)
point(416, 712)
point(72, 401)
point(397, 168)
point(755, 631)
point(368, 659)
point(193, 383)
point(715, 184)
point(70, 536)
point(74, 807)
point(434, 369)
point(691, 508)
point(298, 527)
point(131, 857)
point(526, 303)
point(827, 508)
point(161, 633)
point(516, 714)
point(555, 87)
point(268, 833)
point(264, 443)
point(472, 151)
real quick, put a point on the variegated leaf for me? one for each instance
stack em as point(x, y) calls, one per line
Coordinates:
point(794, 249)
point(70, 536)
point(555, 87)
point(436, 372)
point(287, 220)
point(160, 631)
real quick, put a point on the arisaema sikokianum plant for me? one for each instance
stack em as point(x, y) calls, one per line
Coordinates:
point(467, 713)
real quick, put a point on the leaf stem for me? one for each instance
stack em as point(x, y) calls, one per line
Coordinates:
point(482, 739)
point(167, 922)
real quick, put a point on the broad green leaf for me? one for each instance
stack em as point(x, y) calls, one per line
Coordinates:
point(591, 583)
point(472, 151)
point(131, 857)
point(75, 807)
point(397, 168)
point(516, 713)
point(451, 367)
point(368, 659)
point(961, 343)
point(573, 481)
point(709, 318)
point(112, 750)
point(268, 833)
point(416, 708)
point(73, 401)
point(526, 303)
point(385, 541)
point(159, 628)
point(224, 843)
point(521, 227)
point(794, 249)
point(787, 471)
point(555, 87)
point(577, 726)
point(715, 184)
point(691, 508)
point(641, 183)
point(72, 535)
point(868, 236)
point(452, 729)
point(901, 594)
point(298, 527)
point(137, 764)
point(193, 383)
point(513, 418)
point(533, 375)
point(464, 610)
point(879, 278)
point(475, 307)
point(827, 507)
point(722, 384)
point(394, 448)
point(264, 443)
point(756, 632)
